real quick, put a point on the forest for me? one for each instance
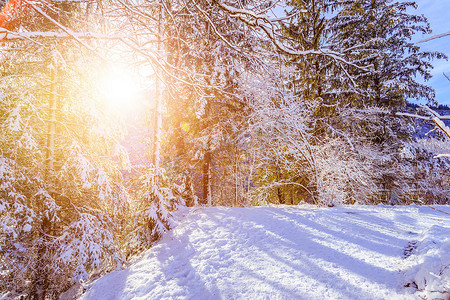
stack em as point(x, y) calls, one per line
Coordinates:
point(115, 113)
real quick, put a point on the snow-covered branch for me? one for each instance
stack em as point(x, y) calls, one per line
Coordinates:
point(442, 155)
point(434, 117)
point(269, 27)
point(438, 122)
point(7, 35)
point(62, 27)
point(437, 36)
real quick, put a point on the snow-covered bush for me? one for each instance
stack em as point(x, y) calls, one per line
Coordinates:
point(61, 208)
point(355, 155)
point(18, 221)
point(89, 244)
point(59, 233)
point(154, 203)
point(293, 162)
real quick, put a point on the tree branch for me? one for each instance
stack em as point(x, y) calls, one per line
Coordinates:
point(6, 35)
point(437, 36)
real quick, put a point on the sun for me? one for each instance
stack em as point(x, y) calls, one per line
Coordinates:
point(119, 87)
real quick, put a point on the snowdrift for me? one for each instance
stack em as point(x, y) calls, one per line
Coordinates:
point(301, 252)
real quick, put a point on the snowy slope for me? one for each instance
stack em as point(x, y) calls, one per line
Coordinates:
point(302, 252)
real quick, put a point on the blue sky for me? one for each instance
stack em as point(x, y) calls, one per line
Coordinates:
point(438, 14)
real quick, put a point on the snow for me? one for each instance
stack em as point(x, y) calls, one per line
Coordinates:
point(292, 252)
point(11, 35)
point(26, 228)
point(442, 126)
point(432, 274)
point(14, 120)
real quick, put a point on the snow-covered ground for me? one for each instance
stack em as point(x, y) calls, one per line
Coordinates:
point(292, 252)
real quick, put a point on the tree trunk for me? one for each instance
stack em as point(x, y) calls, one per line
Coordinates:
point(40, 284)
point(158, 98)
point(157, 126)
point(236, 177)
point(52, 106)
point(279, 191)
point(189, 194)
point(207, 197)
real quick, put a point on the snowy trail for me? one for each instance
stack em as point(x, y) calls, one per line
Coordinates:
point(277, 253)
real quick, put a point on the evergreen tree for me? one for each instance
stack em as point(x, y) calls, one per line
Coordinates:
point(307, 31)
point(377, 35)
point(62, 195)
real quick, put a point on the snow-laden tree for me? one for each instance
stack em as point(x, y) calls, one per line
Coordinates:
point(202, 52)
point(404, 167)
point(206, 50)
point(377, 35)
point(57, 227)
point(307, 31)
point(293, 165)
point(154, 204)
point(375, 38)
point(289, 164)
point(62, 198)
point(426, 113)
point(427, 155)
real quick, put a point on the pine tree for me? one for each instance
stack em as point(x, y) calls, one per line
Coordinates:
point(64, 196)
point(377, 34)
point(307, 31)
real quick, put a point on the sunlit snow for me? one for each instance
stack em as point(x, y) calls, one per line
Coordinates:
point(304, 252)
